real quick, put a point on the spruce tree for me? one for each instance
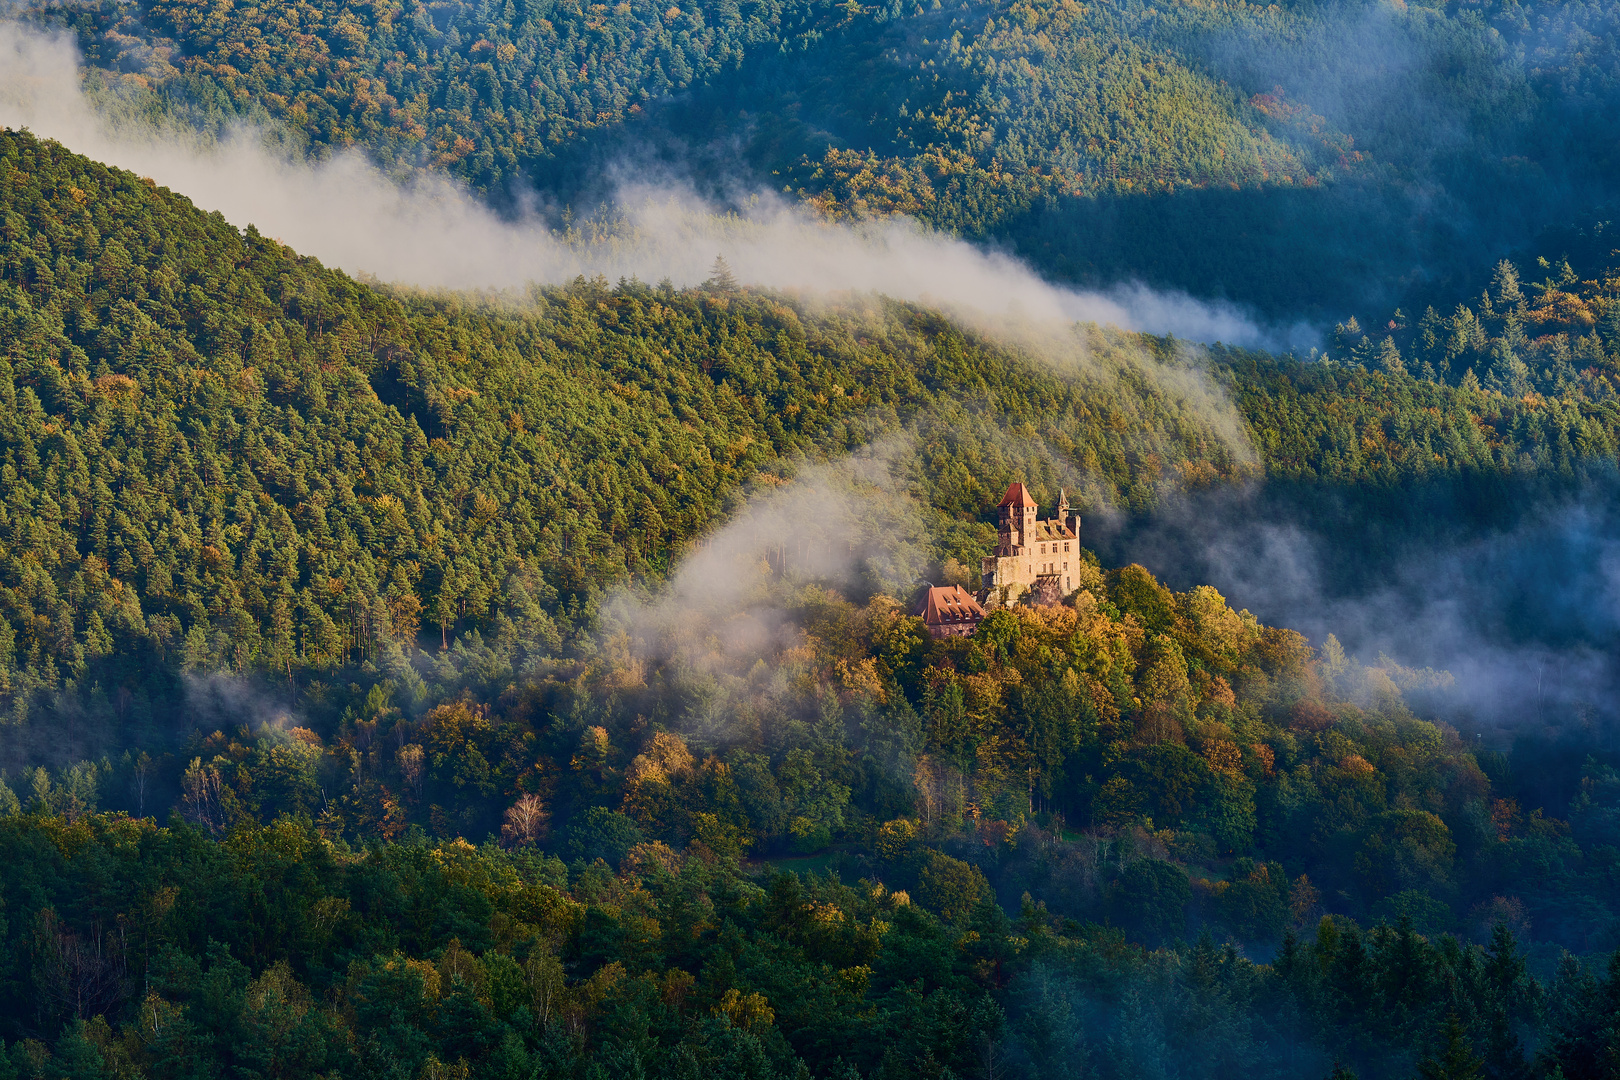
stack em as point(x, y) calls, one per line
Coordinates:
point(721, 279)
point(1456, 1059)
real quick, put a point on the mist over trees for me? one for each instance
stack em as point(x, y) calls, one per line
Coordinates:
point(1298, 159)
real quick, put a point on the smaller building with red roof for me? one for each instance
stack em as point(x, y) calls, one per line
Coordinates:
point(950, 611)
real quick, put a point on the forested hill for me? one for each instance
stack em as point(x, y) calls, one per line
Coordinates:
point(218, 454)
point(221, 454)
point(1301, 158)
point(313, 572)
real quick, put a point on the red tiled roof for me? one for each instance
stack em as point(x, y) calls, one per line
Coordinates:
point(1017, 495)
point(949, 604)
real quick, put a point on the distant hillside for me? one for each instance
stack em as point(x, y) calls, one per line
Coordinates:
point(1303, 159)
point(217, 452)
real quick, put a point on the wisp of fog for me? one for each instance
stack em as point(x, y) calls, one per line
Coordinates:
point(845, 524)
point(433, 233)
point(1525, 612)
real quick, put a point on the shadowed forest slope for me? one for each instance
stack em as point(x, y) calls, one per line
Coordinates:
point(1303, 159)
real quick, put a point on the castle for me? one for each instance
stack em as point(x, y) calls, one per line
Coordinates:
point(1032, 556)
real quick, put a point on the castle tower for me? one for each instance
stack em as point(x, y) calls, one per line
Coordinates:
point(1017, 520)
point(1069, 516)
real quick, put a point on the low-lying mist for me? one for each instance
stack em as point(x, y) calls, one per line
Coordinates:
point(1525, 616)
point(846, 524)
point(433, 233)
point(1521, 604)
point(1522, 607)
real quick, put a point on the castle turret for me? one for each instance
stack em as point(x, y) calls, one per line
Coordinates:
point(1034, 559)
point(1069, 516)
point(1017, 524)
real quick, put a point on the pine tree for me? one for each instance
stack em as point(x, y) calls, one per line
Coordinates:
point(1431, 332)
point(1504, 1053)
point(1346, 336)
point(1389, 358)
point(1137, 1047)
point(1611, 326)
point(1505, 283)
point(721, 279)
point(1508, 973)
point(1456, 1059)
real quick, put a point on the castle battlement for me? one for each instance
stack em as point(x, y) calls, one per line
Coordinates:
point(1032, 556)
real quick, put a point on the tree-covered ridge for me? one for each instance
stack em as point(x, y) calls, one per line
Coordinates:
point(1131, 772)
point(1356, 427)
point(482, 91)
point(1211, 147)
point(220, 454)
point(1101, 97)
point(489, 94)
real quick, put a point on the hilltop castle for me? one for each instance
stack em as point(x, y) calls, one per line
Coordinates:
point(1034, 556)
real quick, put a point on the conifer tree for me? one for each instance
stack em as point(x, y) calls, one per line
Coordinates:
point(721, 279)
point(1455, 1058)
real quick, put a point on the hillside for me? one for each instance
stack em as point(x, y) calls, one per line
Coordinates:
point(523, 686)
point(484, 718)
point(220, 454)
point(1301, 159)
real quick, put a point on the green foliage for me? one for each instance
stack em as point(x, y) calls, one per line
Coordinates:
point(1210, 147)
point(279, 953)
point(482, 94)
point(1149, 899)
point(601, 834)
point(229, 471)
point(222, 455)
point(949, 886)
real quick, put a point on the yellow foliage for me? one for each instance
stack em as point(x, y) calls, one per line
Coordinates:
point(746, 1011)
point(665, 758)
point(1224, 757)
point(894, 838)
point(1357, 766)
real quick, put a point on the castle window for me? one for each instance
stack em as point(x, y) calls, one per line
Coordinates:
point(1065, 549)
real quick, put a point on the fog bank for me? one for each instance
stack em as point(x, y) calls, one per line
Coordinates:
point(434, 233)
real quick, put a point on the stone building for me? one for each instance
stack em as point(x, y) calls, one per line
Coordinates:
point(950, 611)
point(1032, 556)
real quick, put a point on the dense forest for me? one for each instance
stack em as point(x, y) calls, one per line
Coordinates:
point(1298, 158)
point(221, 455)
point(413, 685)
